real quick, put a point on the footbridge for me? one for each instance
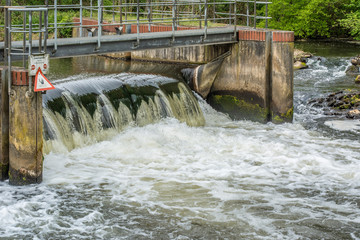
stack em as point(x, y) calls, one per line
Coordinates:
point(244, 69)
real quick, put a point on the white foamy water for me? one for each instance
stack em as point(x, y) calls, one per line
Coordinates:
point(225, 180)
point(234, 180)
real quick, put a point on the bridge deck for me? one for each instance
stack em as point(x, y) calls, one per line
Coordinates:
point(68, 47)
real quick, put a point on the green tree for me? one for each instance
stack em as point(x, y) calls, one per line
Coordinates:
point(310, 19)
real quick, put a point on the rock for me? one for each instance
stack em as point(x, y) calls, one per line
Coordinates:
point(300, 65)
point(357, 79)
point(301, 55)
point(355, 61)
point(352, 70)
point(354, 114)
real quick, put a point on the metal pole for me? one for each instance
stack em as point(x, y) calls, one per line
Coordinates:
point(24, 38)
point(266, 14)
point(30, 44)
point(138, 22)
point(113, 11)
point(91, 8)
point(120, 10)
point(247, 14)
point(81, 18)
point(200, 16)
point(40, 31)
point(149, 14)
point(230, 10)
point(235, 18)
point(206, 18)
point(46, 30)
point(55, 25)
point(173, 20)
point(9, 50)
point(254, 14)
point(46, 26)
point(214, 11)
point(126, 9)
point(99, 23)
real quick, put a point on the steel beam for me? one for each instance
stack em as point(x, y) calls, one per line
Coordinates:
point(124, 43)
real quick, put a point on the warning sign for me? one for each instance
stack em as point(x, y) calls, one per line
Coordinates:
point(38, 61)
point(41, 82)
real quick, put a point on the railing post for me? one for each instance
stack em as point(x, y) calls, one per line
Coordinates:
point(91, 8)
point(206, 18)
point(173, 19)
point(138, 23)
point(247, 14)
point(120, 10)
point(214, 11)
point(55, 25)
point(100, 21)
point(235, 18)
point(254, 14)
point(266, 14)
point(81, 18)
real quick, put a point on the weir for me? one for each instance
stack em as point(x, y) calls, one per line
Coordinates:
point(244, 72)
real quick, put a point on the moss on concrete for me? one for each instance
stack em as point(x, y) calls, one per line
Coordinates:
point(283, 117)
point(238, 109)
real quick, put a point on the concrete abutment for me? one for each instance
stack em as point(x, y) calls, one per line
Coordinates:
point(21, 154)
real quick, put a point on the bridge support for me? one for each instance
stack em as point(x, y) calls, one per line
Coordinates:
point(25, 135)
point(256, 81)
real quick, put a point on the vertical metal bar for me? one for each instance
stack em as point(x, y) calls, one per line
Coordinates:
point(40, 32)
point(6, 32)
point(173, 19)
point(81, 18)
point(120, 10)
point(200, 15)
point(230, 12)
point(149, 14)
point(254, 14)
point(91, 8)
point(9, 50)
point(235, 17)
point(113, 10)
point(30, 43)
point(46, 30)
point(138, 22)
point(99, 23)
point(46, 26)
point(247, 14)
point(55, 25)
point(266, 13)
point(214, 11)
point(126, 10)
point(176, 11)
point(206, 18)
point(24, 39)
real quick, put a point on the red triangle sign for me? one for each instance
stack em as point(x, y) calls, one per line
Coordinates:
point(41, 82)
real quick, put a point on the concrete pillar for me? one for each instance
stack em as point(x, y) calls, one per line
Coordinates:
point(25, 136)
point(256, 81)
point(282, 78)
point(242, 84)
point(4, 126)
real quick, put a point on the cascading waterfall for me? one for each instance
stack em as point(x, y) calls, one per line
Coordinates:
point(93, 109)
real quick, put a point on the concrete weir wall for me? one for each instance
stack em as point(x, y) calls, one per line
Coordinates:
point(256, 81)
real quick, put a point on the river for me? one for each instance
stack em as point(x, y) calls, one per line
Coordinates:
point(224, 180)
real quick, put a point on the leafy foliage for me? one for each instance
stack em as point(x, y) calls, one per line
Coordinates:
point(316, 18)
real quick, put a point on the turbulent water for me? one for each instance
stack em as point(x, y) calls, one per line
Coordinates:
point(225, 180)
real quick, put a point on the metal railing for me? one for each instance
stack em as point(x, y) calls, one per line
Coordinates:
point(119, 17)
point(195, 13)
